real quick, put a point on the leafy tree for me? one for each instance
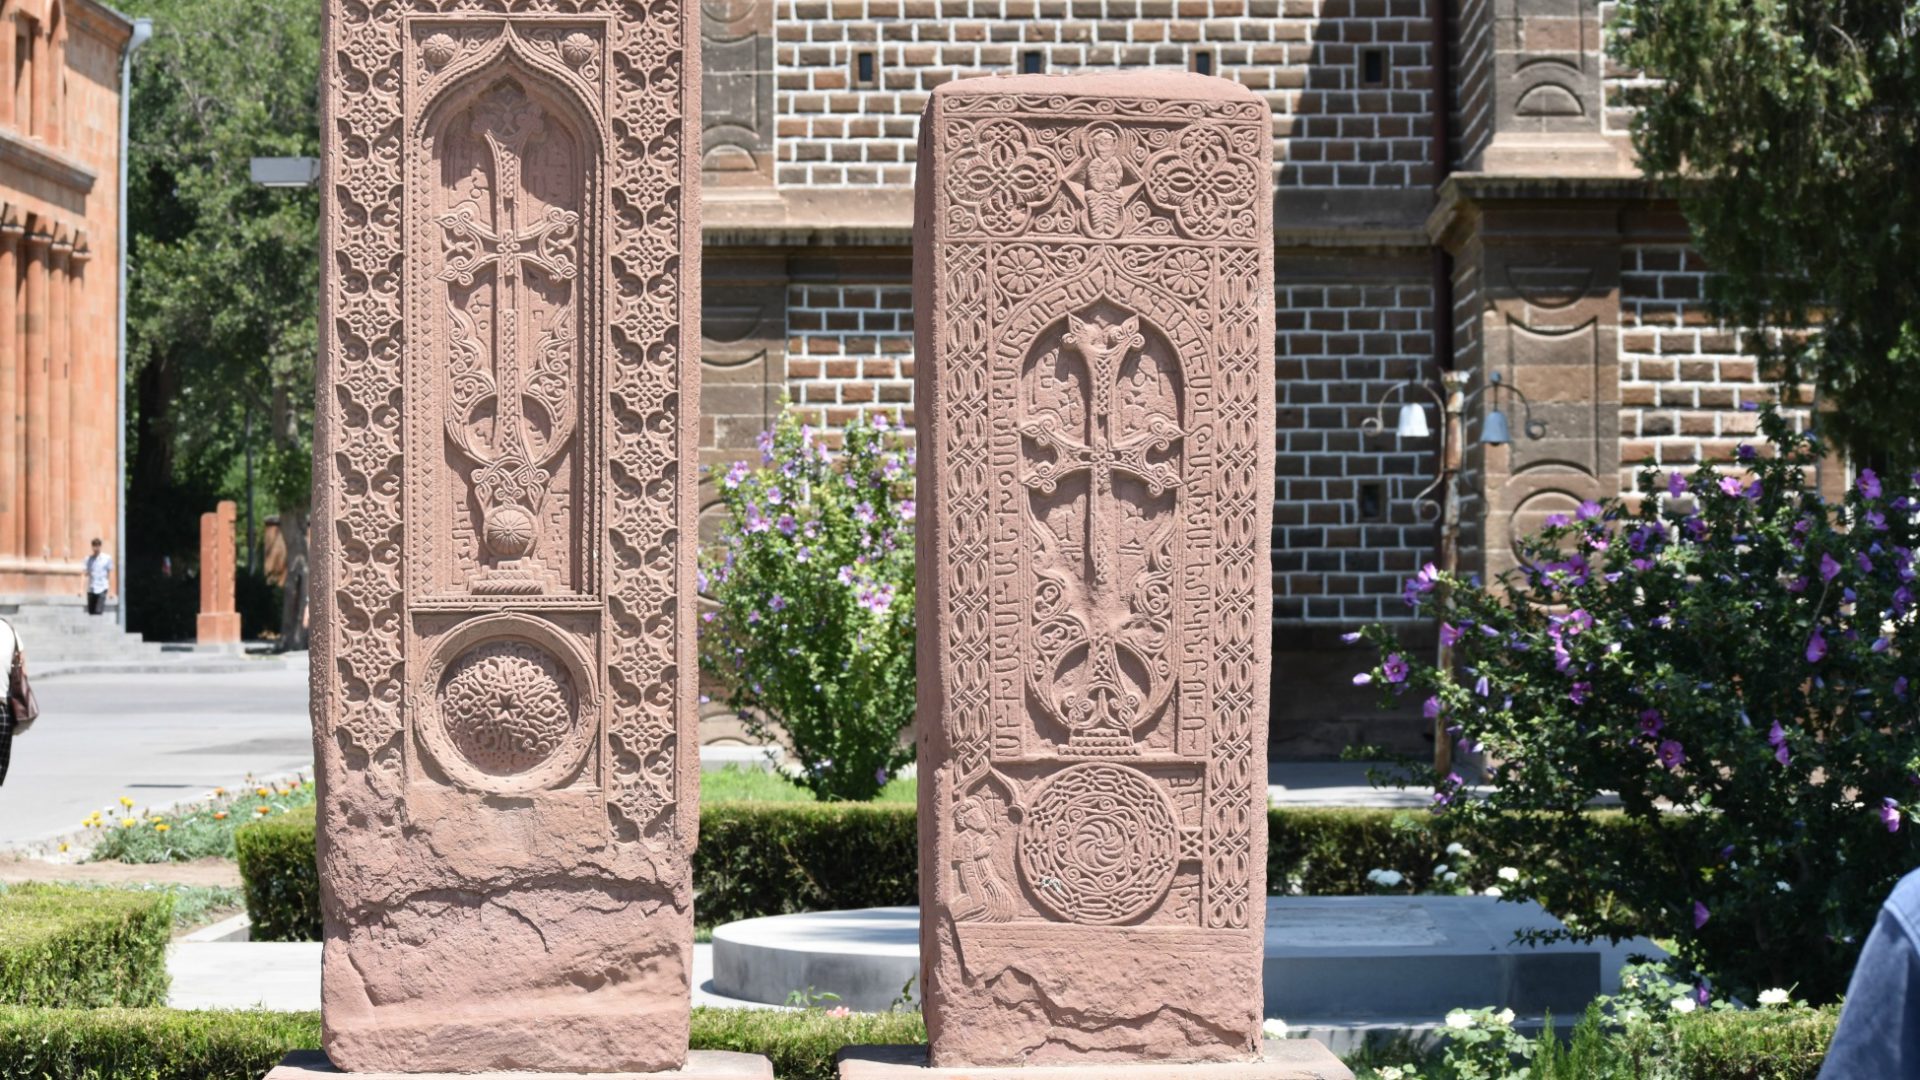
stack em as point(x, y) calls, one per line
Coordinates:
point(223, 274)
point(1792, 131)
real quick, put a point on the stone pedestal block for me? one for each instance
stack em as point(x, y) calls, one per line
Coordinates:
point(1094, 275)
point(218, 623)
point(1281, 1059)
point(701, 1065)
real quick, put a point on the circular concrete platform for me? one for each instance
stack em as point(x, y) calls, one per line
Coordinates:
point(867, 957)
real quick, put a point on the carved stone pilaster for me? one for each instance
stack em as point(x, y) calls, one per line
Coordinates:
point(1547, 59)
point(737, 115)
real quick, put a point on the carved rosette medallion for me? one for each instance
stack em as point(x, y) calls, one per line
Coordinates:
point(506, 706)
point(1099, 844)
point(1096, 372)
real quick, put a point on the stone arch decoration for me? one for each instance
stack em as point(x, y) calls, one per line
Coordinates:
point(1094, 321)
point(505, 700)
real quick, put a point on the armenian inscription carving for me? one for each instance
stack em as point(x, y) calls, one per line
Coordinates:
point(504, 687)
point(1096, 257)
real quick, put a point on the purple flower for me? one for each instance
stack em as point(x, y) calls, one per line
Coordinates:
point(1676, 484)
point(1363, 679)
point(1816, 647)
point(1864, 561)
point(1746, 452)
point(1777, 738)
point(1651, 722)
point(1573, 622)
point(776, 602)
point(1350, 637)
point(1729, 486)
point(1421, 584)
point(786, 525)
point(1394, 668)
point(1890, 815)
point(1754, 490)
point(1696, 528)
point(1900, 688)
point(1829, 567)
point(1877, 521)
point(1431, 708)
point(863, 513)
point(880, 774)
point(1480, 686)
point(1798, 584)
point(1700, 917)
point(1880, 644)
point(1672, 754)
point(1558, 521)
point(1562, 660)
point(1589, 510)
point(1578, 693)
point(735, 475)
point(1869, 484)
point(906, 509)
point(1450, 634)
point(756, 521)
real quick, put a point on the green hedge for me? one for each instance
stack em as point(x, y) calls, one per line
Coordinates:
point(768, 858)
point(280, 876)
point(169, 1044)
point(62, 946)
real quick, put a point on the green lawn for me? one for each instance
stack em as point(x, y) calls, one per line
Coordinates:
point(735, 784)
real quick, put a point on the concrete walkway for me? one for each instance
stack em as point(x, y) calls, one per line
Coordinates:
point(1335, 783)
point(157, 739)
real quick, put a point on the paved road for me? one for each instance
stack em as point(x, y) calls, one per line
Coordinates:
point(156, 739)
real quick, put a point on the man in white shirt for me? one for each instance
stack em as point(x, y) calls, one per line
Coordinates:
point(99, 566)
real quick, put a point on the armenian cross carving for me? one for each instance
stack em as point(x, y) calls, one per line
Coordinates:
point(511, 467)
point(1099, 708)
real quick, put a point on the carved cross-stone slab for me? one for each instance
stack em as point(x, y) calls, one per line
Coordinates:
point(1094, 267)
point(504, 683)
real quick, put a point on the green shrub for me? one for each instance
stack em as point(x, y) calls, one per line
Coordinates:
point(1727, 644)
point(812, 583)
point(771, 858)
point(1767, 1044)
point(801, 1045)
point(149, 1044)
point(280, 876)
point(62, 946)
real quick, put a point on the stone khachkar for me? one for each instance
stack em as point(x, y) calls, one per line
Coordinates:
point(504, 681)
point(1094, 270)
point(218, 622)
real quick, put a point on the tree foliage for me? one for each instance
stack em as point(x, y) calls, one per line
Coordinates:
point(1792, 130)
point(223, 274)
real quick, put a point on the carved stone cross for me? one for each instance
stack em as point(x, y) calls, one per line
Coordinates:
point(512, 477)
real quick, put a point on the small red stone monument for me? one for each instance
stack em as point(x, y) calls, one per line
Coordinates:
point(219, 623)
point(1094, 275)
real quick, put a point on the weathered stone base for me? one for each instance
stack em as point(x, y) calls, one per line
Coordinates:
point(1285, 1059)
point(701, 1065)
point(217, 628)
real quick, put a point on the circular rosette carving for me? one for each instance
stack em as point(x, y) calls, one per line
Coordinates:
point(1002, 176)
point(1203, 181)
point(507, 706)
point(1099, 844)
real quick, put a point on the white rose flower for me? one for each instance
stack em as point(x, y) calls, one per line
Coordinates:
point(1274, 1028)
point(1783, 886)
point(1505, 1016)
point(1494, 891)
point(1386, 878)
point(1775, 996)
point(1508, 873)
point(1450, 877)
point(1458, 1020)
point(1683, 1004)
point(1459, 850)
point(1440, 871)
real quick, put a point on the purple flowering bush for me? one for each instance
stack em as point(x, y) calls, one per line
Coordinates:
point(1736, 662)
point(811, 629)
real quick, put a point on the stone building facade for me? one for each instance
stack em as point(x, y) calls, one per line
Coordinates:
point(1454, 187)
point(59, 288)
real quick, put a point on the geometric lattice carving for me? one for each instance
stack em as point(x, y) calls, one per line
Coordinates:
point(1099, 844)
point(507, 706)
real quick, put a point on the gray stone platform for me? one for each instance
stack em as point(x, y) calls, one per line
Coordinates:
point(701, 1065)
point(1336, 968)
point(1289, 1060)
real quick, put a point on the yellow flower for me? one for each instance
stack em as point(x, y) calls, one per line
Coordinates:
point(63, 845)
point(219, 791)
point(126, 802)
point(126, 823)
point(262, 792)
point(161, 826)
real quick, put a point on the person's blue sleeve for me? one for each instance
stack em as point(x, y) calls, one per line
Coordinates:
point(1879, 1033)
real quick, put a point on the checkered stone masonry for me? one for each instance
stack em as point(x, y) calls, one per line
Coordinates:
point(1683, 377)
point(850, 352)
point(1341, 349)
point(1303, 56)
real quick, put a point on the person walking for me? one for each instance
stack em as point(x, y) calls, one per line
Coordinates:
point(19, 709)
point(99, 567)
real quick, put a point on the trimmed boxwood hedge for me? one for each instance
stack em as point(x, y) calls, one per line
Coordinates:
point(168, 1044)
point(767, 858)
point(62, 946)
point(280, 876)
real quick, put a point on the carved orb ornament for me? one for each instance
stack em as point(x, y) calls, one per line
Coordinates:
point(1099, 844)
point(576, 49)
point(511, 531)
point(438, 51)
point(508, 708)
